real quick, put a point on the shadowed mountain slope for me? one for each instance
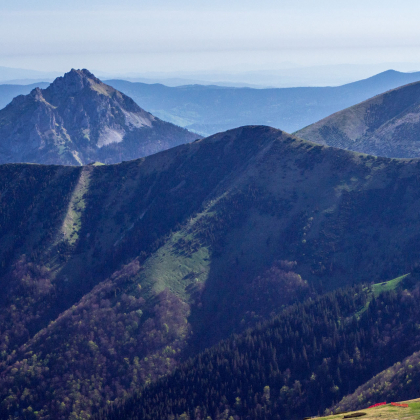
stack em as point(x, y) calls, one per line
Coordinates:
point(290, 367)
point(77, 120)
point(211, 109)
point(386, 125)
point(112, 274)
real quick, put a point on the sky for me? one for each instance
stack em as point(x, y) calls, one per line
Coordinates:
point(147, 36)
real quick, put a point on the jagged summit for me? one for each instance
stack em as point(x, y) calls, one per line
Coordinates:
point(77, 120)
point(76, 75)
point(74, 81)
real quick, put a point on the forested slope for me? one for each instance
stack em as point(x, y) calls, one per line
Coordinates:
point(111, 275)
point(399, 381)
point(295, 365)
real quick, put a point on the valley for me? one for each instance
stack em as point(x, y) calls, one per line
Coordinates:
point(295, 365)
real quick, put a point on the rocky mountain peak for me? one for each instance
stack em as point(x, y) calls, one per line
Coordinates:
point(72, 82)
point(77, 120)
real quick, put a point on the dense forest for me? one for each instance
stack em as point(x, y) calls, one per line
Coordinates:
point(296, 365)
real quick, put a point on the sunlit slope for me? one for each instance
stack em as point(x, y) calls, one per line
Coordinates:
point(386, 412)
point(395, 382)
point(385, 125)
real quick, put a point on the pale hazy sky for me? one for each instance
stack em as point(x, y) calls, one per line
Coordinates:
point(176, 35)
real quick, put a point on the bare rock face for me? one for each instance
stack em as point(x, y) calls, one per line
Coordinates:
point(77, 120)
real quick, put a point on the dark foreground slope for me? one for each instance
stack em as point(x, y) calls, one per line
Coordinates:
point(211, 109)
point(110, 275)
point(77, 120)
point(386, 125)
point(290, 367)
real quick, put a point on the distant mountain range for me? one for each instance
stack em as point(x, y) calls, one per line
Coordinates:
point(77, 120)
point(112, 275)
point(284, 75)
point(211, 109)
point(9, 74)
point(385, 125)
point(8, 92)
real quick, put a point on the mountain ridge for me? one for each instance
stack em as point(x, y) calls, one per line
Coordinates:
point(385, 125)
point(170, 253)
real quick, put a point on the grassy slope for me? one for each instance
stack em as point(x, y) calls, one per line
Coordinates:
point(385, 125)
point(386, 412)
point(203, 221)
point(388, 285)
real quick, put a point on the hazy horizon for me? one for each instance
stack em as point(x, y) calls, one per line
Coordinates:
point(187, 36)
